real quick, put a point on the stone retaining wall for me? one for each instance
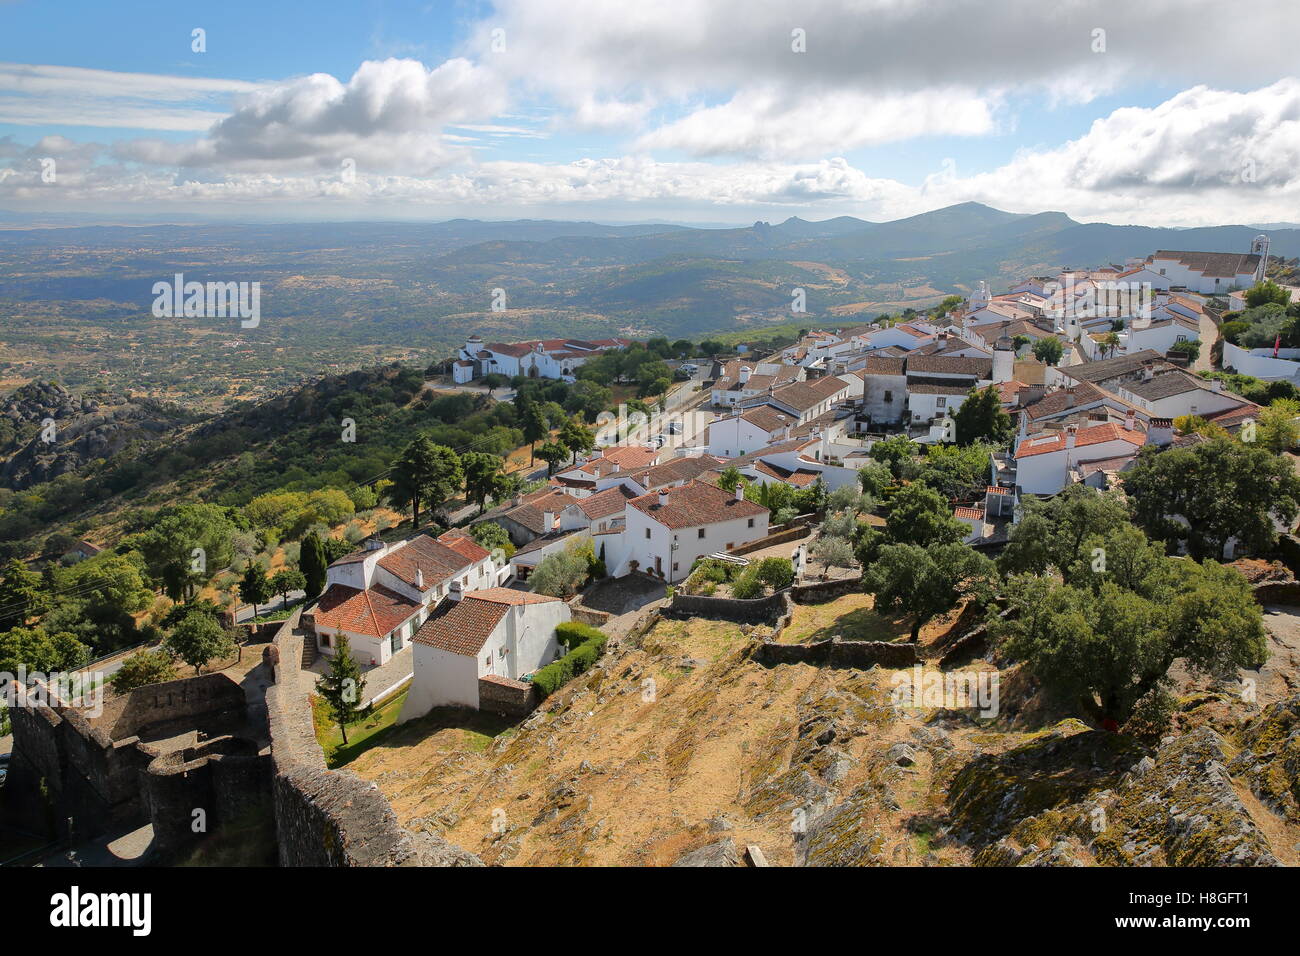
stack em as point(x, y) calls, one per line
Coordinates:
point(1278, 592)
point(780, 537)
point(728, 609)
point(821, 591)
point(501, 695)
point(837, 653)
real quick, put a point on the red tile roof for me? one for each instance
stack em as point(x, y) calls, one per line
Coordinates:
point(467, 624)
point(374, 612)
point(605, 503)
point(464, 545)
point(694, 504)
point(1041, 445)
point(436, 560)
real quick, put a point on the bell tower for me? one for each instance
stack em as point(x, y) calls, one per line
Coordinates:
point(1259, 247)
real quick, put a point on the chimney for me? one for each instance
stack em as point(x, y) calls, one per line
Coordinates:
point(419, 579)
point(745, 372)
point(614, 468)
point(1130, 420)
point(1217, 384)
point(1160, 432)
point(456, 591)
point(1069, 397)
point(1024, 423)
point(663, 498)
point(941, 343)
point(1148, 371)
point(740, 491)
point(548, 521)
point(1071, 436)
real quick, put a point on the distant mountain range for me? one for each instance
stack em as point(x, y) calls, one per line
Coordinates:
point(331, 289)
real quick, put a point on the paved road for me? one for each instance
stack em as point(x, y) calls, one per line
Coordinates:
point(503, 394)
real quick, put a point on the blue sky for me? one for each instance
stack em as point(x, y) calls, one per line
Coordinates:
point(1183, 113)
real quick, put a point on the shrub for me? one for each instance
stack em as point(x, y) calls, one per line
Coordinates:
point(748, 586)
point(583, 657)
point(775, 572)
point(573, 633)
point(579, 660)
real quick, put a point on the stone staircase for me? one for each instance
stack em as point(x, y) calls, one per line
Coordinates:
point(309, 651)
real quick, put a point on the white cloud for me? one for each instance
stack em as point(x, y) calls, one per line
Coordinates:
point(770, 124)
point(43, 95)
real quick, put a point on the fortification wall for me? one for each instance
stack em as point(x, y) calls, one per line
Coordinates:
point(331, 817)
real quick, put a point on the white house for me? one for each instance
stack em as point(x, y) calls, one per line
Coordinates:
point(499, 631)
point(1044, 461)
point(378, 596)
point(757, 427)
point(669, 529)
point(1212, 273)
point(549, 358)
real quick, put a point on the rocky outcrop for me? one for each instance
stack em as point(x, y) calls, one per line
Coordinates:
point(84, 430)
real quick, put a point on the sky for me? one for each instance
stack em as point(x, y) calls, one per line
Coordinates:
point(1163, 112)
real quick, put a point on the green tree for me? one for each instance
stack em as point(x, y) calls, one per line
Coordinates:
point(144, 667)
point(536, 428)
point(343, 686)
point(874, 479)
point(1049, 350)
point(1189, 347)
point(1276, 428)
point(895, 454)
point(1211, 492)
point(186, 546)
point(729, 477)
point(21, 597)
point(37, 649)
point(1266, 292)
point(576, 438)
point(254, 587)
point(920, 515)
point(1108, 648)
point(1051, 535)
point(287, 580)
point(553, 453)
point(311, 559)
point(982, 419)
point(563, 573)
point(481, 473)
point(198, 639)
point(492, 536)
point(831, 551)
point(924, 582)
point(426, 473)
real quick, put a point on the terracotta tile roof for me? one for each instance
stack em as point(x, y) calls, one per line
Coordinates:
point(373, 612)
point(1062, 400)
point(436, 560)
point(968, 513)
point(997, 490)
point(1224, 265)
point(768, 418)
point(1093, 435)
point(605, 503)
point(462, 627)
point(883, 365)
point(695, 504)
point(464, 545)
point(676, 469)
point(515, 349)
point(951, 365)
point(1105, 369)
point(628, 456)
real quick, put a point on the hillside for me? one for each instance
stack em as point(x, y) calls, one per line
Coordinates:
point(728, 752)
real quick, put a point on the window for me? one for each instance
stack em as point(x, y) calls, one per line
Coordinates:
point(751, 523)
point(674, 565)
point(941, 402)
point(889, 395)
point(647, 532)
point(325, 640)
point(700, 534)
